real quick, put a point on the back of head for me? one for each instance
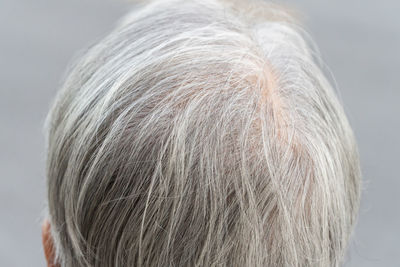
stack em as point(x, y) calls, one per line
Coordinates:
point(201, 133)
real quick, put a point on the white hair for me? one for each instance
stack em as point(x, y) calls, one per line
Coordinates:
point(201, 133)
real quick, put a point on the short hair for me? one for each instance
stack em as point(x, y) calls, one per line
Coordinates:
point(201, 133)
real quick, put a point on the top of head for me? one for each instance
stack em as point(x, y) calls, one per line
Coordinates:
point(201, 132)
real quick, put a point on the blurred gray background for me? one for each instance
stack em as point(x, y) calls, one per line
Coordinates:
point(359, 41)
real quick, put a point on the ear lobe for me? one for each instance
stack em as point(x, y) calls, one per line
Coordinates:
point(48, 244)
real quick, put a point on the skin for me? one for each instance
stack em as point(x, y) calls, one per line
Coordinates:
point(48, 245)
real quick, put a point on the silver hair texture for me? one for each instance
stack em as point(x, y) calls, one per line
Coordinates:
point(201, 133)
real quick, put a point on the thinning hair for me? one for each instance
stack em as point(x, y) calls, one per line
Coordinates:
point(201, 133)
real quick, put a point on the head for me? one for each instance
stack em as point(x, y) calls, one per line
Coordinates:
point(200, 133)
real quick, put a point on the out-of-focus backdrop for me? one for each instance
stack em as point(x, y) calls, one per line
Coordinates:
point(359, 41)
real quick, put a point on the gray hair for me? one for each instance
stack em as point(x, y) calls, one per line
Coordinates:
point(201, 133)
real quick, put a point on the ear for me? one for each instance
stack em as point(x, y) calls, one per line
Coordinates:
point(48, 244)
